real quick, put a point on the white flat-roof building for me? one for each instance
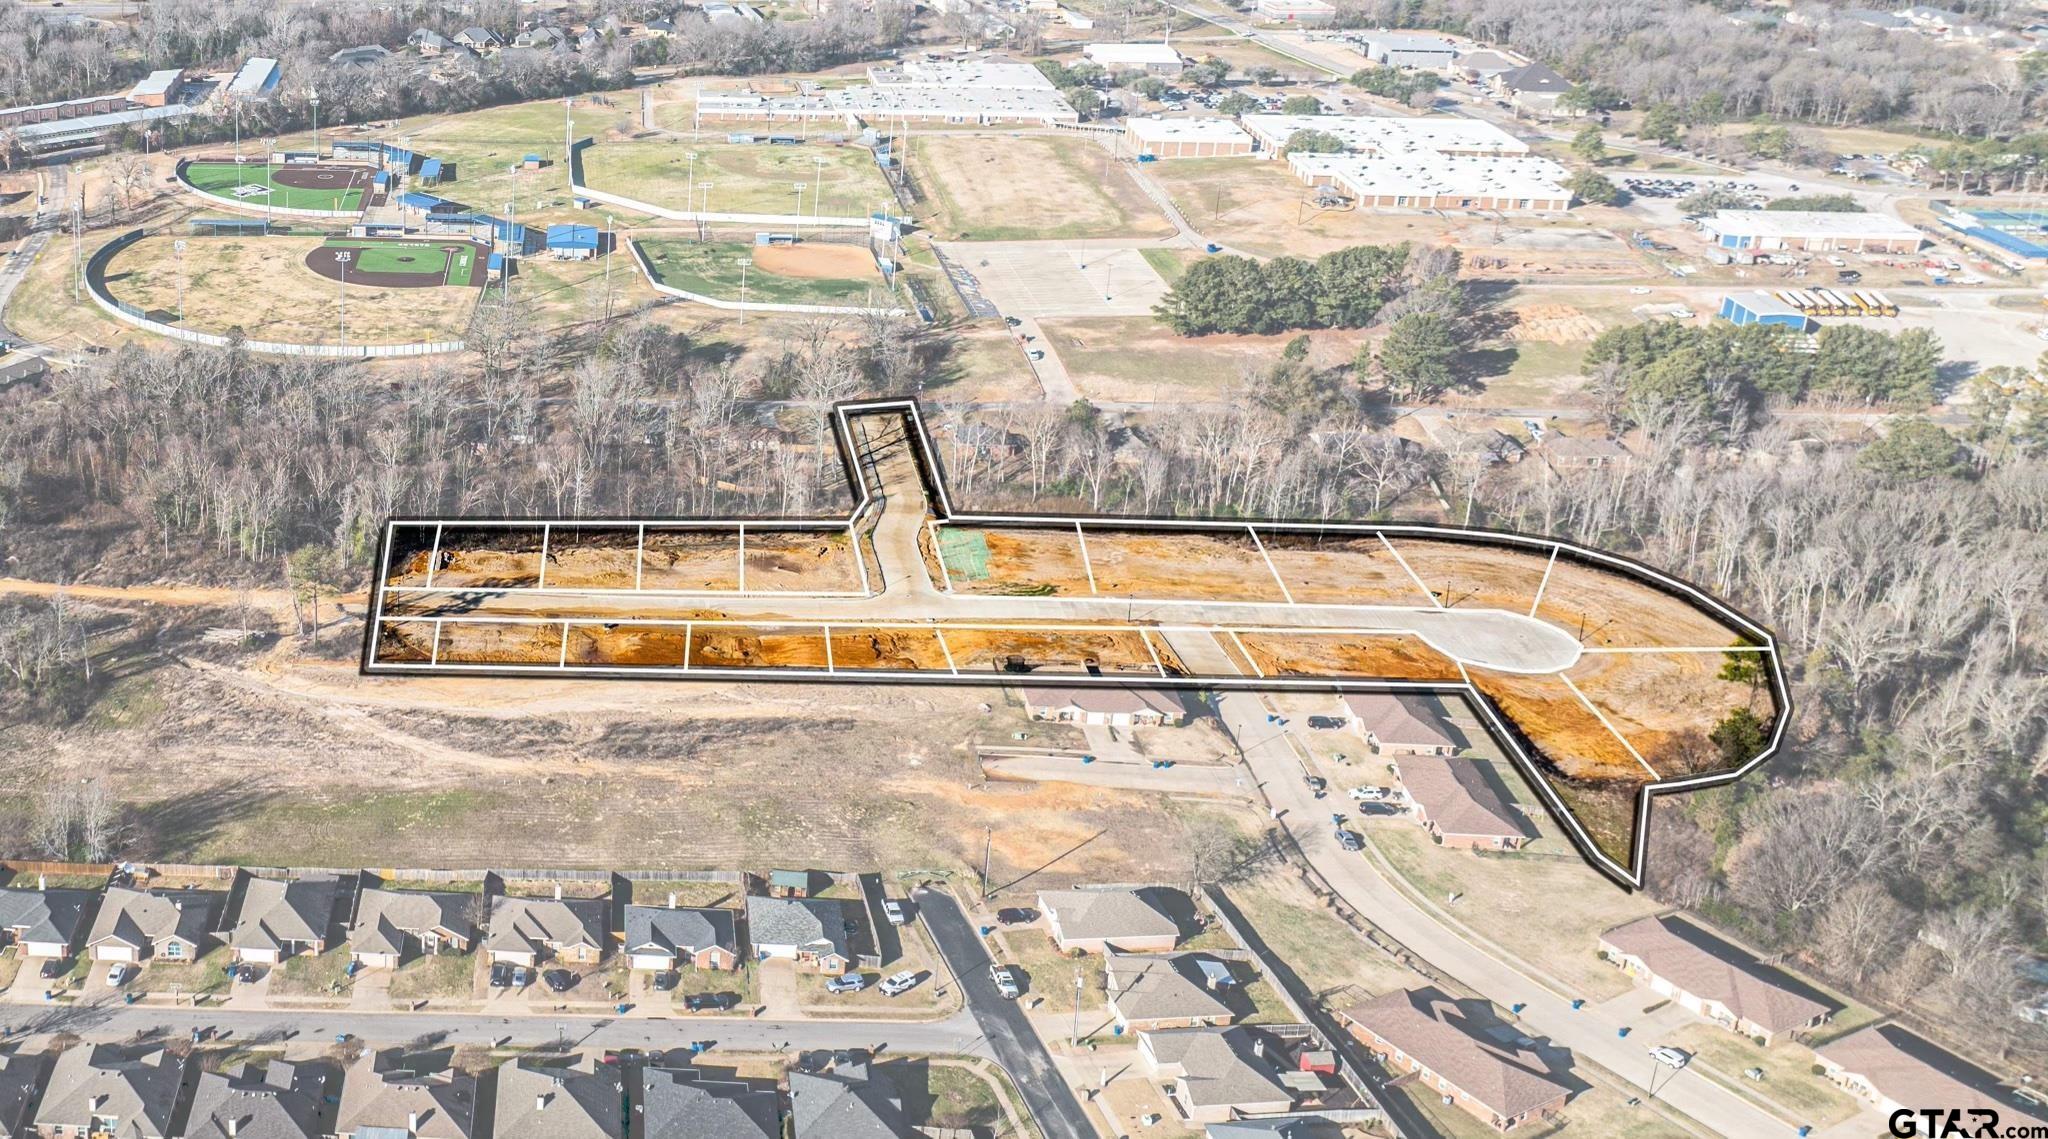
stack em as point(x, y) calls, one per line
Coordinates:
point(1429, 181)
point(1810, 231)
point(1296, 11)
point(989, 89)
point(1382, 134)
point(1431, 53)
point(1188, 138)
point(1158, 59)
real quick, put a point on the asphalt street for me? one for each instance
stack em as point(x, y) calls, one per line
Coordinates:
point(1006, 1031)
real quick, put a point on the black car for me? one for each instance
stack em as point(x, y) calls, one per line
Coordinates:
point(501, 976)
point(665, 982)
point(559, 980)
point(1325, 723)
point(1016, 915)
point(55, 968)
point(247, 974)
point(710, 1002)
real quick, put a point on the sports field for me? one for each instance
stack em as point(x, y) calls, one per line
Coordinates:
point(989, 188)
point(802, 274)
point(400, 264)
point(254, 184)
point(739, 178)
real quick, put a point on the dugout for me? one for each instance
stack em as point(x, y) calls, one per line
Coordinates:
point(229, 227)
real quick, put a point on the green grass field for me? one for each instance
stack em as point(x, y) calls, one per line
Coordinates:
point(747, 179)
point(453, 260)
point(712, 268)
point(221, 179)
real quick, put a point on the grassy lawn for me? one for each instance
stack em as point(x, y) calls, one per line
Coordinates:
point(1536, 370)
point(737, 178)
point(1548, 910)
point(720, 269)
point(220, 179)
point(10, 967)
point(918, 956)
point(209, 974)
point(347, 830)
point(1604, 1112)
point(964, 1095)
point(1022, 188)
point(688, 893)
point(1321, 950)
point(1788, 1079)
point(1170, 264)
point(435, 975)
point(307, 975)
point(1137, 358)
point(1050, 973)
point(741, 981)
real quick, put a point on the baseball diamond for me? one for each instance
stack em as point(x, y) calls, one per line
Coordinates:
point(399, 263)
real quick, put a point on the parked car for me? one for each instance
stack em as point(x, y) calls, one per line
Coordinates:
point(1324, 723)
point(711, 1002)
point(54, 968)
point(559, 980)
point(1008, 983)
point(501, 975)
point(847, 983)
point(1369, 794)
point(894, 911)
point(1349, 840)
point(521, 976)
point(247, 973)
point(1670, 1057)
point(119, 975)
point(1016, 915)
point(896, 984)
point(666, 981)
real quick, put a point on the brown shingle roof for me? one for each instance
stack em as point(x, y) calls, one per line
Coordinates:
point(1455, 795)
point(1108, 699)
point(1909, 1070)
point(1399, 719)
point(1429, 1026)
point(1688, 958)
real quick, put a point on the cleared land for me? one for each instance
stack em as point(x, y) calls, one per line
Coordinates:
point(818, 274)
point(1136, 358)
point(263, 286)
point(739, 178)
point(1021, 188)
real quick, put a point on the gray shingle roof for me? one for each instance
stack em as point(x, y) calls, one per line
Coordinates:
point(676, 1104)
point(525, 925)
point(656, 929)
point(1166, 986)
point(92, 1081)
point(808, 923)
point(1093, 914)
point(142, 918)
point(282, 1103)
point(1117, 699)
point(851, 1102)
point(539, 1099)
point(21, 1075)
point(384, 918)
point(443, 1102)
point(1222, 1067)
point(275, 912)
point(1535, 79)
point(43, 915)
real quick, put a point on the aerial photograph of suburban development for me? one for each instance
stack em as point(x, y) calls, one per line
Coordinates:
point(1023, 569)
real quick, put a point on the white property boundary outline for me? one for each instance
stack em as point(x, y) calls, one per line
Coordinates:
point(867, 499)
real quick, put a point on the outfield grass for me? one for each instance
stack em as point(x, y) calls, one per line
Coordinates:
point(220, 179)
point(742, 178)
point(456, 259)
point(713, 268)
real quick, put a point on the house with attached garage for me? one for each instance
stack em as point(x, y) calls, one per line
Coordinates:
point(391, 926)
point(1402, 723)
point(109, 1091)
point(398, 1103)
point(1461, 803)
point(528, 931)
point(809, 931)
point(851, 1101)
point(553, 1098)
point(682, 1103)
point(279, 1101)
point(1114, 706)
point(163, 925)
point(43, 923)
point(1169, 990)
point(1457, 1050)
point(1091, 920)
point(661, 938)
point(21, 1077)
point(276, 919)
point(1895, 1070)
point(1215, 1075)
point(1707, 976)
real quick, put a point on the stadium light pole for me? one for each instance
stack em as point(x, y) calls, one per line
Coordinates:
point(690, 195)
point(341, 259)
point(313, 97)
point(744, 263)
point(817, 184)
point(798, 228)
point(178, 247)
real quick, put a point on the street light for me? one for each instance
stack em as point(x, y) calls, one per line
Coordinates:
point(341, 259)
point(690, 195)
point(313, 97)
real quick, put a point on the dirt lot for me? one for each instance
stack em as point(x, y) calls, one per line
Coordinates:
point(1475, 576)
point(1553, 324)
point(1392, 656)
point(1576, 740)
point(1652, 697)
point(1019, 188)
point(1135, 358)
point(690, 560)
point(802, 561)
point(1341, 571)
point(1611, 611)
point(1180, 565)
point(815, 260)
point(1020, 561)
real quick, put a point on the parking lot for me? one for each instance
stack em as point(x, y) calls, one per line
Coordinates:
point(1034, 279)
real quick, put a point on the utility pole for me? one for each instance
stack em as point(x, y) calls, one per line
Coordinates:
point(817, 185)
point(341, 258)
point(77, 244)
point(1075, 1039)
point(745, 263)
point(988, 845)
point(178, 247)
point(314, 97)
point(568, 128)
point(798, 228)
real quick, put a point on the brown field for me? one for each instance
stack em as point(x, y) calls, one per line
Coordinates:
point(1656, 699)
point(496, 557)
point(1052, 651)
point(627, 645)
point(480, 642)
point(1491, 577)
point(735, 646)
point(1392, 656)
point(805, 560)
point(814, 260)
point(1573, 738)
point(691, 560)
point(1026, 561)
point(1606, 809)
point(1341, 571)
point(1179, 565)
point(990, 188)
point(1608, 610)
point(854, 647)
point(592, 557)
point(409, 642)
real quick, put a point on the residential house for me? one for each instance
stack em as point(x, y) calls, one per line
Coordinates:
point(810, 931)
point(542, 38)
point(1712, 978)
point(1091, 920)
point(139, 925)
point(660, 29)
point(527, 931)
point(679, 1103)
point(1290, 1127)
point(282, 1101)
point(660, 939)
point(1112, 705)
point(362, 55)
point(478, 39)
point(1459, 803)
point(21, 1078)
point(108, 1091)
point(851, 1101)
point(428, 42)
point(398, 1102)
point(43, 923)
point(1482, 66)
point(391, 926)
point(545, 1098)
point(1581, 452)
point(1457, 1050)
point(1175, 990)
point(281, 918)
point(1217, 1074)
point(1895, 1070)
point(1532, 88)
point(1402, 723)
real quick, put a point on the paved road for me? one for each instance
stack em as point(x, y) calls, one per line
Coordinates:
point(1004, 1027)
